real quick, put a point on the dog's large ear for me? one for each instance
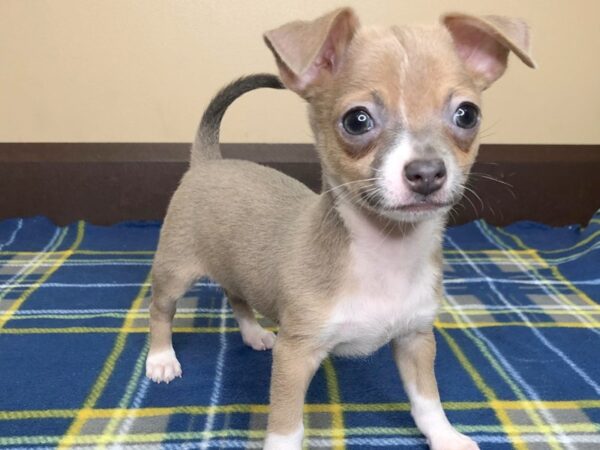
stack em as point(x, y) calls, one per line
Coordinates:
point(308, 51)
point(483, 43)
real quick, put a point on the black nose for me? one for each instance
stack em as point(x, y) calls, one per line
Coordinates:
point(425, 176)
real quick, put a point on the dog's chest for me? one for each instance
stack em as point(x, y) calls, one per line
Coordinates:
point(391, 291)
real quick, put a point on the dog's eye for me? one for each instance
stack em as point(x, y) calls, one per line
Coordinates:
point(357, 121)
point(466, 115)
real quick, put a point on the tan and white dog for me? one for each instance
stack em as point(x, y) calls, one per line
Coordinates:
point(395, 114)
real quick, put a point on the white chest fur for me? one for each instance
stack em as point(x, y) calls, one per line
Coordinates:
point(390, 290)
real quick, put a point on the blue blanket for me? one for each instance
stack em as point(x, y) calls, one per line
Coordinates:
point(518, 349)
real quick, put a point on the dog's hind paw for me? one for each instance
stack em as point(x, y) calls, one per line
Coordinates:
point(162, 366)
point(258, 338)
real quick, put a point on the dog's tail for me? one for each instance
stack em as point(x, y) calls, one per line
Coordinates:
point(206, 144)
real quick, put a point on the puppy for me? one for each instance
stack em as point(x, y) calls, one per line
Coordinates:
point(395, 113)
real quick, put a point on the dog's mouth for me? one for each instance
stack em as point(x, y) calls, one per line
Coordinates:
point(421, 207)
point(423, 204)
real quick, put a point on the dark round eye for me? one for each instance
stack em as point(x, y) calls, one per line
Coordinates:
point(357, 121)
point(466, 115)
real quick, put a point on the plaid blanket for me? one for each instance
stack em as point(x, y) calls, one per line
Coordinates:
point(518, 349)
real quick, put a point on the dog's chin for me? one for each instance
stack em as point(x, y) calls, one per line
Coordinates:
point(415, 210)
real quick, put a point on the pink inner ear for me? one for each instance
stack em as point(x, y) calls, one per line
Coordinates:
point(480, 52)
point(327, 58)
point(330, 54)
point(324, 62)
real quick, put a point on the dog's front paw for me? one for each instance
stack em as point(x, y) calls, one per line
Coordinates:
point(452, 440)
point(292, 441)
point(162, 366)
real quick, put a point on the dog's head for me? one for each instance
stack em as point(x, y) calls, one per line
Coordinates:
point(396, 111)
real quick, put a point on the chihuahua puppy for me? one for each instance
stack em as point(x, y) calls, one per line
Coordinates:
point(395, 114)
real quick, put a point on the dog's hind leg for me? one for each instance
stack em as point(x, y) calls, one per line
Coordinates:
point(170, 281)
point(253, 334)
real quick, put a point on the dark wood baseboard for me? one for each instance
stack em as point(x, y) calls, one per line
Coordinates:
point(109, 182)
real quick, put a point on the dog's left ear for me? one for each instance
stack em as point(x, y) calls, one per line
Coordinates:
point(483, 43)
point(307, 52)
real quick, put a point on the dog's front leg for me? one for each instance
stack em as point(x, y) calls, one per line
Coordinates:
point(294, 365)
point(414, 356)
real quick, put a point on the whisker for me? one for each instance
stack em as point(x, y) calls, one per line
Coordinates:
point(491, 178)
point(509, 187)
point(489, 127)
point(466, 197)
point(477, 196)
point(453, 214)
point(349, 183)
point(485, 136)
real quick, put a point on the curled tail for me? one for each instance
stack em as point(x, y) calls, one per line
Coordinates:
point(206, 144)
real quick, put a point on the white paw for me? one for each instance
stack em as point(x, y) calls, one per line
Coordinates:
point(292, 441)
point(452, 441)
point(258, 338)
point(162, 366)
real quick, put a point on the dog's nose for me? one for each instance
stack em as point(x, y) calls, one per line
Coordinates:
point(425, 176)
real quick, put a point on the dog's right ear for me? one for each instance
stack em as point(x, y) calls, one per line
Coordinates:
point(307, 52)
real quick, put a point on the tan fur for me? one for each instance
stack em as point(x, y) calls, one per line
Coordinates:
point(414, 358)
point(296, 257)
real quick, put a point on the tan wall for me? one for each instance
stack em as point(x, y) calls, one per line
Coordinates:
point(125, 70)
